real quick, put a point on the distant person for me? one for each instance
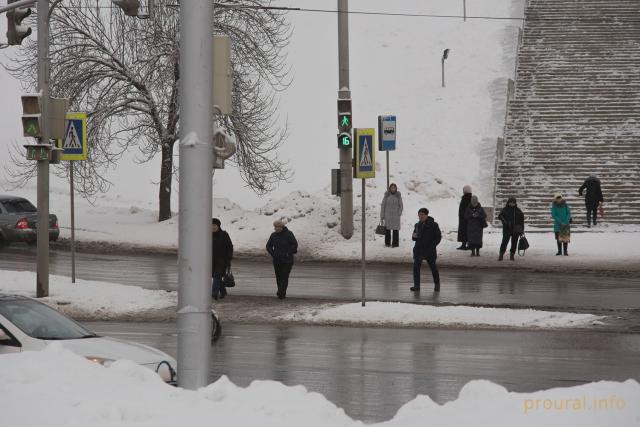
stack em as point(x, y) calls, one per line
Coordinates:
point(593, 198)
point(427, 236)
point(561, 214)
point(281, 246)
point(390, 213)
point(221, 254)
point(462, 222)
point(512, 220)
point(476, 219)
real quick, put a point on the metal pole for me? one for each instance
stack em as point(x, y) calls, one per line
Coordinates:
point(464, 10)
point(195, 187)
point(387, 168)
point(42, 275)
point(363, 239)
point(346, 155)
point(442, 71)
point(73, 225)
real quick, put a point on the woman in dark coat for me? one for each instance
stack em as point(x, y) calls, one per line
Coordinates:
point(512, 220)
point(221, 254)
point(282, 245)
point(476, 222)
point(462, 223)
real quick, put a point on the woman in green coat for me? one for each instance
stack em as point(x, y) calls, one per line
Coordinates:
point(561, 214)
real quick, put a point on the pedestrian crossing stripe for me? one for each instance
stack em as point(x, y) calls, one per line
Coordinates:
point(74, 144)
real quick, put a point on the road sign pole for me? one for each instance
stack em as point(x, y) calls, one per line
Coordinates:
point(387, 169)
point(73, 225)
point(364, 208)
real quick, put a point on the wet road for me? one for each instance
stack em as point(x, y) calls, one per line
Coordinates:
point(372, 372)
point(337, 281)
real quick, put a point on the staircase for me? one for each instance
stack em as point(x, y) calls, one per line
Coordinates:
point(575, 110)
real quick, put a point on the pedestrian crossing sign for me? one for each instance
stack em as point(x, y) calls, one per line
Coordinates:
point(74, 144)
point(365, 155)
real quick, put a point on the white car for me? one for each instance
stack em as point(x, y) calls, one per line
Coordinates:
point(26, 324)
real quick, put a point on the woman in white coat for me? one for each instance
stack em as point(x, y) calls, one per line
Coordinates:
point(390, 213)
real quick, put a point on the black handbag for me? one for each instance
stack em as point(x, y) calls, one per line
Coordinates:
point(523, 244)
point(381, 229)
point(227, 280)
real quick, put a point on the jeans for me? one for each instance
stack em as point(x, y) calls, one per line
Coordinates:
point(282, 270)
point(506, 236)
point(217, 287)
point(417, 264)
point(387, 237)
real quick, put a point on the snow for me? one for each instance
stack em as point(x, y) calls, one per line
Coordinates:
point(103, 301)
point(125, 394)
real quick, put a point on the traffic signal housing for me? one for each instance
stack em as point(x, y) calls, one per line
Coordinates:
point(16, 32)
point(345, 119)
point(345, 140)
point(129, 7)
point(31, 115)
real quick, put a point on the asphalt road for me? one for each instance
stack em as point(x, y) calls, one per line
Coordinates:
point(340, 281)
point(372, 372)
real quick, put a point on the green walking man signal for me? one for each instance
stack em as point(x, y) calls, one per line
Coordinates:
point(345, 122)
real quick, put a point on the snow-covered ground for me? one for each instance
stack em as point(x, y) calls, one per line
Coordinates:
point(125, 394)
point(93, 300)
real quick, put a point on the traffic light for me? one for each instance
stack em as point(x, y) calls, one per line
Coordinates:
point(15, 31)
point(344, 140)
point(344, 115)
point(129, 7)
point(31, 115)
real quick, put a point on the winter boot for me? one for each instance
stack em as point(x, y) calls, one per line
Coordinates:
point(436, 288)
point(462, 247)
point(501, 256)
point(565, 246)
point(473, 251)
point(559, 248)
point(512, 256)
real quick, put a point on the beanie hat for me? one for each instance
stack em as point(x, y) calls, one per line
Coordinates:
point(215, 221)
point(557, 194)
point(424, 211)
point(512, 199)
point(466, 189)
point(474, 199)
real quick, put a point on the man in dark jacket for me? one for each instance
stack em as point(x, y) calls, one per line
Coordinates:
point(512, 220)
point(221, 254)
point(281, 246)
point(462, 222)
point(427, 236)
point(593, 197)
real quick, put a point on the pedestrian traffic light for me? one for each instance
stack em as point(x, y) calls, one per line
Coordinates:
point(344, 115)
point(31, 115)
point(15, 31)
point(129, 7)
point(344, 140)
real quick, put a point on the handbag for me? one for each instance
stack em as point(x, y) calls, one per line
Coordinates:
point(523, 244)
point(381, 229)
point(228, 280)
point(564, 235)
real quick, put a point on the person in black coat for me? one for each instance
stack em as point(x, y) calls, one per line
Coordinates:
point(512, 220)
point(476, 222)
point(221, 254)
point(593, 197)
point(281, 246)
point(427, 235)
point(462, 222)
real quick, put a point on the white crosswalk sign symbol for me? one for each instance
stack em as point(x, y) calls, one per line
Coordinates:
point(365, 158)
point(72, 139)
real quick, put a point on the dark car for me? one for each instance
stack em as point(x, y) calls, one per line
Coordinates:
point(19, 220)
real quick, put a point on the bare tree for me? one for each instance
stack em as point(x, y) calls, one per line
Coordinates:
point(124, 72)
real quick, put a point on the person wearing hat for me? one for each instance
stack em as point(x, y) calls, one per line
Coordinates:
point(221, 254)
point(512, 220)
point(462, 222)
point(476, 222)
point(282, 245)
point(561, 214)
point(593, 198)
point(427, 235)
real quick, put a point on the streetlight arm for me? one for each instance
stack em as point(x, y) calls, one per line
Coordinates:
point(16, 5)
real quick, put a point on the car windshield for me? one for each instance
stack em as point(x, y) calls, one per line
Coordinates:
point(41, 321)
point(18, 205)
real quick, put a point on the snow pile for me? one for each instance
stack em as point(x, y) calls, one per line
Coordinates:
point(72, 391)
point(395, 313)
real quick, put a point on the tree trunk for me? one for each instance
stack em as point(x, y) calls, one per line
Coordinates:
point(166, 175)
